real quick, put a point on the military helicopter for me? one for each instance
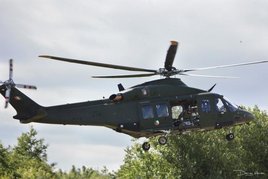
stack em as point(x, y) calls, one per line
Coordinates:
point(154, 108)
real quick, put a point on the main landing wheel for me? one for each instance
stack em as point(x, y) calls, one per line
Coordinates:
point(162, 140)
point(146, 146)
point(230, 136)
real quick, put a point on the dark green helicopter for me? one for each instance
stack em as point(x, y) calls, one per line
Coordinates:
point(153, 108)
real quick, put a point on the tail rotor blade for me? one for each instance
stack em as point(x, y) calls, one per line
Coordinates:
point(10, 69)
point(171, 55)
point(6, 103)
point(26, 86)
point(7, 97)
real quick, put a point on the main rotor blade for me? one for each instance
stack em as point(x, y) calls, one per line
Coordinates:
point(97, 64)
point(209, 76)
point(171, 55)
point(10, 69)
point(26, 86)
point(127, 76)
point(226, 66)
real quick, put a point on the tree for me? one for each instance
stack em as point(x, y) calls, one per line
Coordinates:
point(31, 147)
point(84, 173)
point(203, 154)
point(255, 143)
point(6, 169)
point(140, 164)
point(29, 157)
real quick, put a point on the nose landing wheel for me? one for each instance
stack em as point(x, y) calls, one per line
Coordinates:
point(230, 136)
point(146, 146)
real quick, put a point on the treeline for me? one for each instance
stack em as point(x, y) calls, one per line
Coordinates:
point(28, 159)
point(193, 155)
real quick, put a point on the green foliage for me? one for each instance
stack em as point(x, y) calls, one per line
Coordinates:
point(28, 159)
point(5, 165)
point(31, 147)
point(85, 173)
point(204, 154)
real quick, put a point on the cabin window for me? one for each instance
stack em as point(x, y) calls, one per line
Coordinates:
point(147, 112)
point(176, 111)
point(205, 106)
point(162, 110)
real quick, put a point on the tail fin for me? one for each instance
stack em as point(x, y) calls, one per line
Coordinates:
point(27, 109)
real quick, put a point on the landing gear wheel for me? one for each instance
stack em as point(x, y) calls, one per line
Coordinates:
point(230, 136)
point(146, 146)
point(162, 140)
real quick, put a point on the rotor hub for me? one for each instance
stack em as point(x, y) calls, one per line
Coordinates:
point(9, 82)
point(167, 73)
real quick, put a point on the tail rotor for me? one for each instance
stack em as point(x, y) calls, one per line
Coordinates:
point(9, 84)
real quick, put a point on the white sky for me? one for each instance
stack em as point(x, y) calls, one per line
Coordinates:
point(133, 33)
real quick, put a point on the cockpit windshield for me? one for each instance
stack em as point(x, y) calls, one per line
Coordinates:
point(231, 106)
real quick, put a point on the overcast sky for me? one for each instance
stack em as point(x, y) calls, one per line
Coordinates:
point(126, 32)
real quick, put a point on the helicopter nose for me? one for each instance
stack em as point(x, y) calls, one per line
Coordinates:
point(249, 116)
point(244, 117)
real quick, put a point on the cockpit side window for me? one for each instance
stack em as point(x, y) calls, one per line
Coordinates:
point(220, 106)
point(231, 107)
